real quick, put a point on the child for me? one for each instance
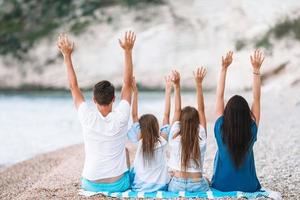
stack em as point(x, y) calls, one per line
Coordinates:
point(187, 140)
point(235, 133)
point(104, 128)
point(150, 168)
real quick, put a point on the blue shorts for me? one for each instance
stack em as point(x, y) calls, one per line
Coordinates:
point(189, 185)
point(120, 185)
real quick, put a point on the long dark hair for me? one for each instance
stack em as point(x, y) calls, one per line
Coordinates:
point(236, 129)
point(189, 129)
point(150, 136)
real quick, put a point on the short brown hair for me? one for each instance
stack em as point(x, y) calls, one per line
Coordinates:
point(104, 92)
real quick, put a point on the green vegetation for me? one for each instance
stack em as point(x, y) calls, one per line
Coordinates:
point(240, 44)
point(24, 22)
point(79, 27)
point(285, 28)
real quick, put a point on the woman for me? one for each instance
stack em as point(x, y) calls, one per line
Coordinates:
point(235, 132)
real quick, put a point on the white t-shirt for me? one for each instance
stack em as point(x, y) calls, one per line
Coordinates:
point(175, 149)
point(104, 141)
point(154, 176)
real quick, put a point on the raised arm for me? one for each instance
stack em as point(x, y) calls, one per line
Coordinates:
point(176, 83)
point(66, 48)
point(199, 76)
point(135, 116)
point(168, 90)
point(221, 84)
point(256, 61)
point(127, 44)
point(134, 133)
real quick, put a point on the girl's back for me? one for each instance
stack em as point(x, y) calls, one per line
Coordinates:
point(150, 171)
point(175, 149)
point(151, 175)
point(188, 140)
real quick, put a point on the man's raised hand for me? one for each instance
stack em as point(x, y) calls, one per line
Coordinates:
point(65, 45)
point(128, 41)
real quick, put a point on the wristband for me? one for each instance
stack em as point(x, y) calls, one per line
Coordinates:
point(256, 73)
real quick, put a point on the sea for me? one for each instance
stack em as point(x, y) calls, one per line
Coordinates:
point(36, 122)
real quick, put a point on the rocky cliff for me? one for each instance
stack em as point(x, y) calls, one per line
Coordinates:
point(173, 34)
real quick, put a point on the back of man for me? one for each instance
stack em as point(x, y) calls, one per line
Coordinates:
point(104, 129)
point(104, 141)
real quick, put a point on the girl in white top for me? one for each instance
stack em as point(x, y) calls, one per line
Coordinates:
point(150, 170)
point(187, 140)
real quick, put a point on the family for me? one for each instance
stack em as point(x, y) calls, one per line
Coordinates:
point(105, 132)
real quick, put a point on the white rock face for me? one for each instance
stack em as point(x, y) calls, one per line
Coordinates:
point(179, 34)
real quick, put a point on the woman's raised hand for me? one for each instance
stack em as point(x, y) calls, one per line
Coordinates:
point(199, 74)
point(65, 45)
point(128, 41)
point(256, 60)
point(227, 60)
point(175, 77)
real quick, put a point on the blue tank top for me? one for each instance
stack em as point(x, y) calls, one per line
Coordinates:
point(226, 177)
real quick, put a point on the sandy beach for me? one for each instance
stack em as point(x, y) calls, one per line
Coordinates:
point(41, 143)
point(56, 175)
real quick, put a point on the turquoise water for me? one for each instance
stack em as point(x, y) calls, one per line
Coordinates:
point(36, 122)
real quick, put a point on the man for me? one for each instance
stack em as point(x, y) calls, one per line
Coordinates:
point(104, 128)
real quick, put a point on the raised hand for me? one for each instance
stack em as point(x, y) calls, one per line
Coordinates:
point(175, 77)
point(199, 75)
point(256, 60)
point(65, 45)
point(227, 60)
point(128, 42)
point(221, 83)
point(168, 91)
point(168, 82)
point(176, 81)
point(66, 48)
point(134, 85)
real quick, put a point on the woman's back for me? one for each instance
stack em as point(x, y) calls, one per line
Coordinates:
point(228, 177)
